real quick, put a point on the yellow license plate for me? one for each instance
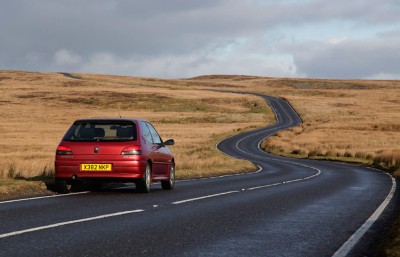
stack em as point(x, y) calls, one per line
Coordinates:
point(96, 167)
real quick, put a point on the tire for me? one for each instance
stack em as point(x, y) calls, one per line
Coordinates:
point(143, 186)
point(62, 187)
point(169, 184)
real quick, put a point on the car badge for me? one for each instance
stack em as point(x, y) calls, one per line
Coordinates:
point(96, 149)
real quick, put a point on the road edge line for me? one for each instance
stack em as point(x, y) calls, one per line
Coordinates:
point(42, 197)
point(355, 238)
point(204, 197)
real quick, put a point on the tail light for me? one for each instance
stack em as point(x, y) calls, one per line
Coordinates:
point(63, 150)
point(132, 150)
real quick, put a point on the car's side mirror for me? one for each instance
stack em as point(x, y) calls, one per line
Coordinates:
point(169, 142)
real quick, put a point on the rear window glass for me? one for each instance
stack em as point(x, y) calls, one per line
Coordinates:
point(101, 131)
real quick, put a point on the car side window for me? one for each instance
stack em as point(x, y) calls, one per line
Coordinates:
point(156, 138)
point(146, 133)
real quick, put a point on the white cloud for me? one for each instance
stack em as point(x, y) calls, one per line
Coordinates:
point(64, 57)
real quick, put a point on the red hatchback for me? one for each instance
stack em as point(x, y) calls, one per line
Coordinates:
point(114, 150)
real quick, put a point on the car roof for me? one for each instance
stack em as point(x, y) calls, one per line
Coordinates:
point(110, 119)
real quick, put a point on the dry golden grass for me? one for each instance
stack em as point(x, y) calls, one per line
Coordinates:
point(13, 188)
point(37, 108)
point(342, 119)
point(389, 160)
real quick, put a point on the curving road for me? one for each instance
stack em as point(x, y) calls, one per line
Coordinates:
point(287, 208)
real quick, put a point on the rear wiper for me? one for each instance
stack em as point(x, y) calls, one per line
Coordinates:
point(84, 139)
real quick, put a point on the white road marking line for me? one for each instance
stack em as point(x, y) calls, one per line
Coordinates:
point(42, 197)
point(264, 186)
point(204, 197)
point(285, 182)
point(353, 240)
point(68, 223)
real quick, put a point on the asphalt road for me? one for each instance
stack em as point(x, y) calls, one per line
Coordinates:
point(287, 208)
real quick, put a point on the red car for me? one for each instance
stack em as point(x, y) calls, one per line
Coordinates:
point(114, 150)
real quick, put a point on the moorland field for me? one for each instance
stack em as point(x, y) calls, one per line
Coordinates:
point(37, 108)
point(350, 120)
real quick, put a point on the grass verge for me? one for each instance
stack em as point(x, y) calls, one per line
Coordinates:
point(23, 188)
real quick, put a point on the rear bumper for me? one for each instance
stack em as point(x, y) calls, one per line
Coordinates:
point(128, 171)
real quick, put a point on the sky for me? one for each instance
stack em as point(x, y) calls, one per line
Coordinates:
point(341, 39)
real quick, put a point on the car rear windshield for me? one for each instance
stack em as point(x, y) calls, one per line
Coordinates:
point(101, 131)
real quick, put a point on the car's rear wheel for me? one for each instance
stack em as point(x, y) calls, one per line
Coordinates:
point(169, 184)
point(62, 186)
point(143, 186)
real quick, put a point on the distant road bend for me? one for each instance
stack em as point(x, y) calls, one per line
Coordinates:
point(289, 207)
